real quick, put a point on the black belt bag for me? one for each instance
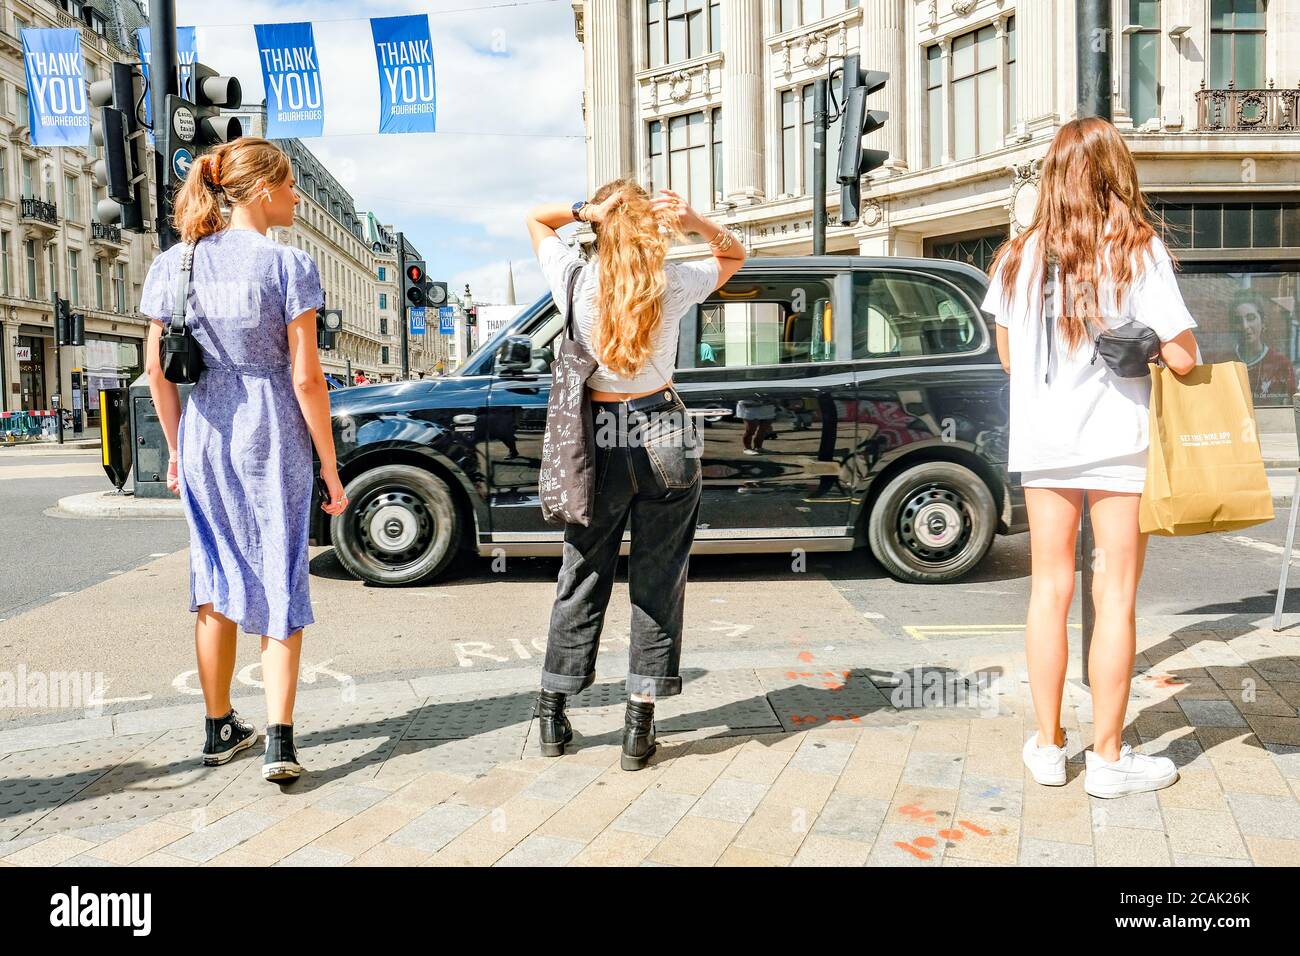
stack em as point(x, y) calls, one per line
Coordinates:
point(1128, 350)
point(182, 359)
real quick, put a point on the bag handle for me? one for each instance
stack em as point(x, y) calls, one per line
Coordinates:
point(182, 289)
point(1053, 264)
point(570, 284)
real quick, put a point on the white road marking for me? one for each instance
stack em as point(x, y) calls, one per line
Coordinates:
point(1265, 546)
point(733, 629)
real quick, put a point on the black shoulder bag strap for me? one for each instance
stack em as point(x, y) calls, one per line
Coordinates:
point(1053, 266)
point(182, 290)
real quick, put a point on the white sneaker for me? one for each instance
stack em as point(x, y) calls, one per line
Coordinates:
point(1131, 773)
point(1045, 763)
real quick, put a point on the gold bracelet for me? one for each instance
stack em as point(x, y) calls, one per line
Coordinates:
point(722, 241)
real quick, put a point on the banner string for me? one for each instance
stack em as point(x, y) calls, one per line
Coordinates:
point(432, 13)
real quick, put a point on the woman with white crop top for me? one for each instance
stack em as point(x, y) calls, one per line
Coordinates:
point(1089, 261)
point(627, 306)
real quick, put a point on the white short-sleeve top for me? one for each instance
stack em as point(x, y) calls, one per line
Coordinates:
point(1082, 413)
point(688, 284)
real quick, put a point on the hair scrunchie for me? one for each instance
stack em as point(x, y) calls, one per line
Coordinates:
point(214, 174)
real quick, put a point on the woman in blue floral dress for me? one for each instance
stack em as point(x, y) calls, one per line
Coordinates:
point(241, 454)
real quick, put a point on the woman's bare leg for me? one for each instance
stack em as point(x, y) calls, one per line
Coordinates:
point(280, 676)
point(1116, 572)
point(214, 646)
point(1053, 528)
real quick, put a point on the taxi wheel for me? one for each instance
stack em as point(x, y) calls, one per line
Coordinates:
point(932, 523)
point(401, 526)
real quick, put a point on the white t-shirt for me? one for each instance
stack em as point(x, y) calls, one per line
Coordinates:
point(1085, 414)
point(688, 283)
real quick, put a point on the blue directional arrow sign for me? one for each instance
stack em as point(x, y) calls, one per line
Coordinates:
point(182, 159)
point(417, 320)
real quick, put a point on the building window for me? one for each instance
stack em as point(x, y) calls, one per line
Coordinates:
point(383, 326)
point(715, 122)
point(383, 300)
point(4, 173)
point(980, 68)
point(119, 287)
point(681, 163)
point(384, 356)
point(71, 198)
point(74, 276)
point(798, 12)
point(383, 274)
point(1143, 60)
point(797, 142)
point(21, 97)
point(99, 283)
point(29, 186)
point(977, 250)
point(4, 262)
point(681, 29)
point(1012, 116)
point(29, 254)
point(1237, 43)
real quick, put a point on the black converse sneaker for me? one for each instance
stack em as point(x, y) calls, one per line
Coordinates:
point(226, 736)
point(281, 763)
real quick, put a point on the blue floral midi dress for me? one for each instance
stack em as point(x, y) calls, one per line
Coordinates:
point(245, 452)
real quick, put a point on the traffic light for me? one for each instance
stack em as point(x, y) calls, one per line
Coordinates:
point(856, 84)
point(69, 329)
point(193, 127)
point(435, 293)
point(119, 130)
point(329, 322)
point(413, 282)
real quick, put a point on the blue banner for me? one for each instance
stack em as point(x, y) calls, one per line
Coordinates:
point(447, 320)
point(291, 75)
point(404, 55)
point(417, 320)
point(187, 54)
point(57, 111)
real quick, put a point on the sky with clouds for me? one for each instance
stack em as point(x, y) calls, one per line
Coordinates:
point(460, 194)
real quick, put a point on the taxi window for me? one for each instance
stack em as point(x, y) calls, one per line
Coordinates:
point(768, 321)
point(900, 315)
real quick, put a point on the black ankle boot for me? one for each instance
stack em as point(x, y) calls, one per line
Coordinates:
point(552, 724)
point(638, 735)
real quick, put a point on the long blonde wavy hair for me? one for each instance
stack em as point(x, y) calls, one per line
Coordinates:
point(1088, 190)
point(237, 171)
point(631, 245)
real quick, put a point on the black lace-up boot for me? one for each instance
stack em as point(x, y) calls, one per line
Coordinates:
point(226, 736)
point(281, 763)
point(638, 734)
point(552, 724)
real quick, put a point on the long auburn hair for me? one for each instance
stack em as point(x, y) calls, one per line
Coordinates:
point(236, 171)
point(631, 245)
point(1090, 209)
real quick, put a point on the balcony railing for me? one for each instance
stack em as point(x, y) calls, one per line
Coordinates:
point(39, 209)
point(1236, 111)
point(99, 232)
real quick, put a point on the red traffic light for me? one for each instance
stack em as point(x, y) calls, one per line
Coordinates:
point(414, 273)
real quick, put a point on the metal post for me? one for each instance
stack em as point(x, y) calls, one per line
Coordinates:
point(1286, 555)
point(819, 166)
point(401, 305)
point(1093, 38)
point(162, 81)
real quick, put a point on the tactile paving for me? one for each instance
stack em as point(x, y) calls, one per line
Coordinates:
point(462, 716)
point(36, 782)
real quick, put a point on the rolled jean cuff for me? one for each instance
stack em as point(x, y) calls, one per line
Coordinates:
point(566, 683)
point(653, 686)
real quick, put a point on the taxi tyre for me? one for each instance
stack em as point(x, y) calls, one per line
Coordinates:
point(401, 526)
point(932, 523)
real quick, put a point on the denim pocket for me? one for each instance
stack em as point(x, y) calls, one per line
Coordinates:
point(673, 447)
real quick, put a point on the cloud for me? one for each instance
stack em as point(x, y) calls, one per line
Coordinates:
point(459, 194)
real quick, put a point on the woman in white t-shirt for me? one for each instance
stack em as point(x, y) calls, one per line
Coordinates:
point(1078, 428)
point(628, 303)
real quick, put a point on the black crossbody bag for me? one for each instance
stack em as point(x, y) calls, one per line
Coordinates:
point(182, 359)
point(1128, 350)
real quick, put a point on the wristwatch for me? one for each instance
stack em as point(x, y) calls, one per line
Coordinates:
point(577, 208)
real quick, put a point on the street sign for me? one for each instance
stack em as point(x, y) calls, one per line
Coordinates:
point(447, 320)
point(181, 161)
point(183, 123)
point(417, 320)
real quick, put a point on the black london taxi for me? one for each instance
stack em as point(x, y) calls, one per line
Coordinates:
point(842, 401)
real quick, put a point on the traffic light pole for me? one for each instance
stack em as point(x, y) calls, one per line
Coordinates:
point(1093, 38)
point(820, 125)
point(162, 82)
point(401, 308)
